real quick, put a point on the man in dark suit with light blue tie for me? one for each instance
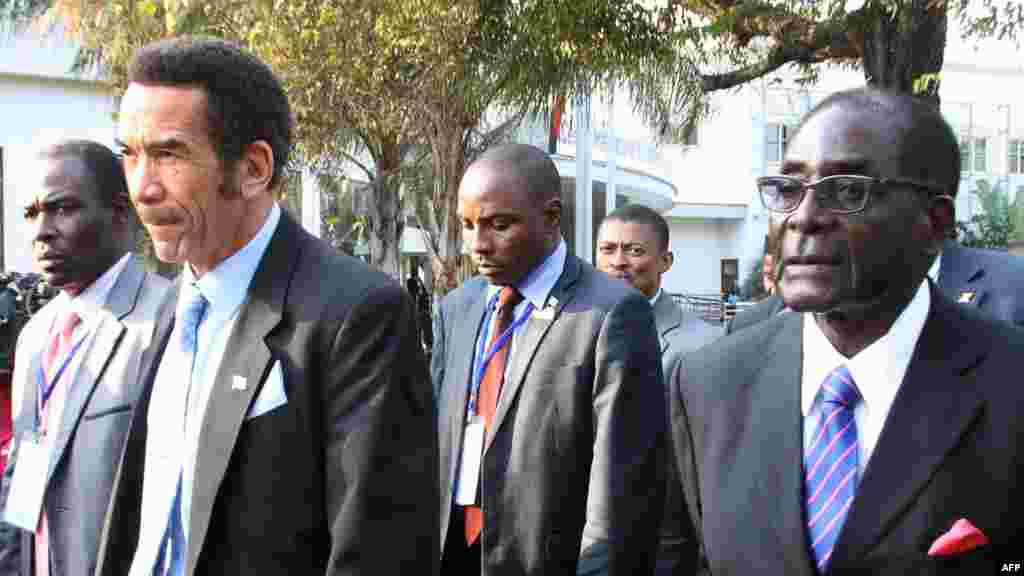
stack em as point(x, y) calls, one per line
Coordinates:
point(552, 449)
point(286, 424)
point(874, 428)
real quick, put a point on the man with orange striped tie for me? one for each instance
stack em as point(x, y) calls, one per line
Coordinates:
point(551, 403)
point(75, 375)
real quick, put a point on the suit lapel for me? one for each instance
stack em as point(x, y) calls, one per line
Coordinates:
point(936, 404)
point(774, 486)
point(465, 334)
point(667, 317)
point(109, 330)
point(248, 356)
point(526, 346)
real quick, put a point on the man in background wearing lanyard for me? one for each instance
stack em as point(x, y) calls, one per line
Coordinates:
point(548, 377)
point(76, 370)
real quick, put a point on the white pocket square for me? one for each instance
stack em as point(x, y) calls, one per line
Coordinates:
point(272, 395)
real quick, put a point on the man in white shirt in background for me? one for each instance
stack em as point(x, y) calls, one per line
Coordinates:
point(76, 363)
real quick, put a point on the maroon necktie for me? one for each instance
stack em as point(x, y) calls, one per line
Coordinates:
point(490, 388)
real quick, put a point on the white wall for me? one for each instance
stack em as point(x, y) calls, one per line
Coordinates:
point(36, 112)
point(698, 247)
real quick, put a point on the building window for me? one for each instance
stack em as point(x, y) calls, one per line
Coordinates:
point(980, 155)
point(973, 154)
point(1015, 164)
point(776, 137)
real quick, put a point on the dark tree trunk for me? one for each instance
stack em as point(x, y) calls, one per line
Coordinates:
point(384, 219)
point(904, 51)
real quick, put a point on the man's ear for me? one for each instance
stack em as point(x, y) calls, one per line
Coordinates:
point(553, 213)
point(255, 169)
point(666, 261)
point(942, 216)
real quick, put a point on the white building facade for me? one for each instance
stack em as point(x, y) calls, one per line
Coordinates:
point(704, 187)
point(42, 101)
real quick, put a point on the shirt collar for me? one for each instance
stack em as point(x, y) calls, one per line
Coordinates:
point(539, 283)
point(656, 296)
point(933, 272)
point(94, 297)
point(877, 370)
point(226, 285)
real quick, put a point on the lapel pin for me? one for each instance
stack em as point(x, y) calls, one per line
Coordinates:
point(545, 313)
point(239, 383)
point(967, 297)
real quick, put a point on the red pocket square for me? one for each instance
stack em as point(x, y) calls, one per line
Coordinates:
point(962, 537)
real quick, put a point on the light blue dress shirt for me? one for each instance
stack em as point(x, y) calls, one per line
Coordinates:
point(170, 446)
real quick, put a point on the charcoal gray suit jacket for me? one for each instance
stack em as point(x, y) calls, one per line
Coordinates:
point(575, 457)
point(339, 480)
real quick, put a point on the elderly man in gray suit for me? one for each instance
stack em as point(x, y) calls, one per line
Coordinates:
point(551, 423)
point(633, 244)
point(76, 364)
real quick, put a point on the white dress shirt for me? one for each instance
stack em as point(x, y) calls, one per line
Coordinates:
point(657, 295)
point(933, 271)
point(877, 370)
point(176, 408)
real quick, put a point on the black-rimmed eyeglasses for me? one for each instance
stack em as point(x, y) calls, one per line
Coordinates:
point(841, 193)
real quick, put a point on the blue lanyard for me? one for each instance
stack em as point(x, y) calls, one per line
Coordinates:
point(46, 391)
point(480, 366)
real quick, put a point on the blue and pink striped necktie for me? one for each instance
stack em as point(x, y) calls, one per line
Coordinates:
point(830, 465)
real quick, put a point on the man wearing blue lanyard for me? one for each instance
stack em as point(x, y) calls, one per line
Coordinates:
point(76, 369)
point(548, 380)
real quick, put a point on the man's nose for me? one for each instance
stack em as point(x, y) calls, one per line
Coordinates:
point(43, 227)
point(809, 213)
point(143, 185)
point(480, 242)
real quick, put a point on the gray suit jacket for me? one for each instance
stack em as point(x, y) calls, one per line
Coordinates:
point(575, 456)
point(93, 427)
point(950, 449)
point(679, 333)
point(338, 480)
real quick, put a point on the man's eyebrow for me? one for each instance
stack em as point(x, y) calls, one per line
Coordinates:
point(170, 143)
point(851, 166)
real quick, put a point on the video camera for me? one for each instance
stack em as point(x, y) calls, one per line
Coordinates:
point(21, 296)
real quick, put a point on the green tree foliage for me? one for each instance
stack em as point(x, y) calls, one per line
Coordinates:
point(376, 82)
point(1000, 221)
point(722, 44)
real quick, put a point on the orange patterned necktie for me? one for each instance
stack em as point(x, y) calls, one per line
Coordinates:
point(490, 388)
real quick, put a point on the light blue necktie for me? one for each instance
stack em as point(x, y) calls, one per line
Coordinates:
point(175, 535)
point(830, 465)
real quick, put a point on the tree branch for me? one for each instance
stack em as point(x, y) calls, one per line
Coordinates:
point(828, 41)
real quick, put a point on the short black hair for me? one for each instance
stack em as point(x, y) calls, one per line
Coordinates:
point(531, 164)
point(640, 214)
point(930, 149)
point(244, 99)
point(102, 165)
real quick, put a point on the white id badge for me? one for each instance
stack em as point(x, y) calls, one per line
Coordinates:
point(25, 500)
point(469, 470)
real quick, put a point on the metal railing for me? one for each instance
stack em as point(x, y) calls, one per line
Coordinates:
point(711, 307)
